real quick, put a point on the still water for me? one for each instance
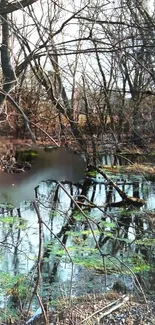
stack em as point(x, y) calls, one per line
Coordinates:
point(20, 240)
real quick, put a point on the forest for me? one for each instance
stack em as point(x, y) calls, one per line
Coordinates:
point(77, 162)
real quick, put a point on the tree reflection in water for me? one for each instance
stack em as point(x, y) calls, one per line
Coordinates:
point(78, 231)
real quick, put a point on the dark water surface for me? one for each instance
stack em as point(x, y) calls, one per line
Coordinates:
point(80, 268)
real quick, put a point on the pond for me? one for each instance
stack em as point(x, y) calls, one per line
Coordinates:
point(82, 243)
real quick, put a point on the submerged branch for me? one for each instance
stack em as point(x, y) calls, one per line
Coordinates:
point(127, 199)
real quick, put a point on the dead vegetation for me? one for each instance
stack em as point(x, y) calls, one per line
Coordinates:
point(110, 308)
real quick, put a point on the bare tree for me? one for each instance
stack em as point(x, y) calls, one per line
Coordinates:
point(108, 46)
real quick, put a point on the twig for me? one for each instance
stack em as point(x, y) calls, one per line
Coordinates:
point(26, 120)
point(84, 214)
point(128, 199)
point(112, 306)
point(123, 300)
point(135, 277)
point(39, 260)
point(38, 264)
point(42, 130)
point(67, 251)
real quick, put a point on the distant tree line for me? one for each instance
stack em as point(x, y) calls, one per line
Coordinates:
point(96, 66)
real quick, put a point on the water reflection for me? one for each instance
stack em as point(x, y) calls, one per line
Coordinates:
point(126, 158)
point(69, 247)
point(58, 164)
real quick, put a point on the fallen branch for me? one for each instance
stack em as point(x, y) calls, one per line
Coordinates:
point(110, 308)
point(127, 199)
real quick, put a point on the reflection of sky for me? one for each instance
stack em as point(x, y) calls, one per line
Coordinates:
point(125, 182)
point(151, 197)
point(29, 237)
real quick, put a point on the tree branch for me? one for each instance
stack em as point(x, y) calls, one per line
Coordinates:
point(11, 7)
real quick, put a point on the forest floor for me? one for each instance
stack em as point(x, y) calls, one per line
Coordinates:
point(109, 309)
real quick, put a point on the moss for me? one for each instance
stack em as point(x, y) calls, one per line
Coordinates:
point(26, 155)
point(92, 173)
